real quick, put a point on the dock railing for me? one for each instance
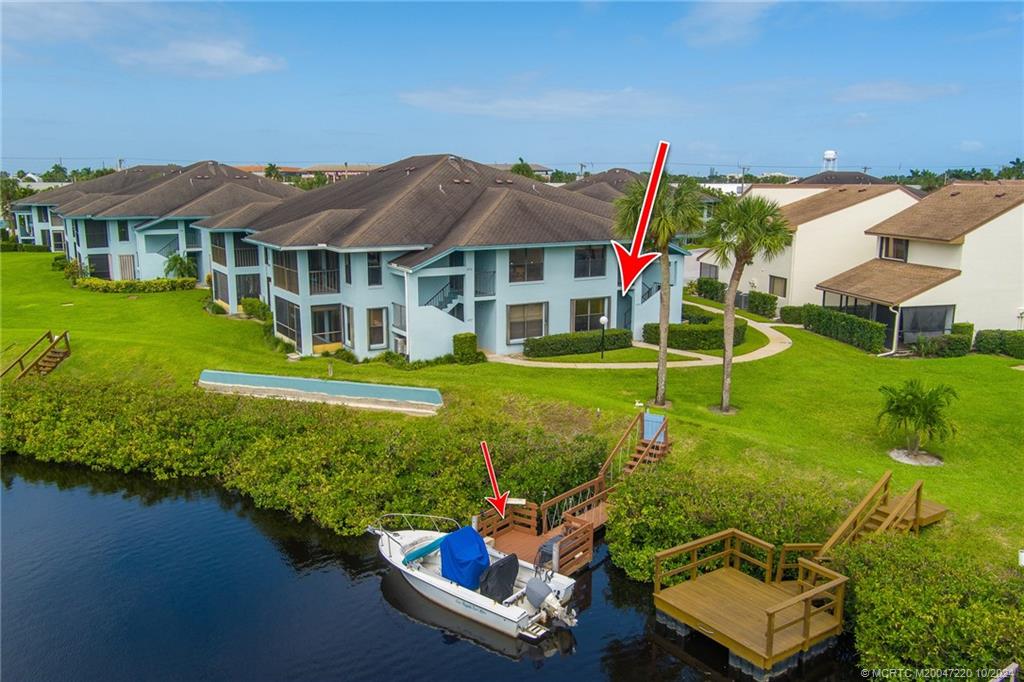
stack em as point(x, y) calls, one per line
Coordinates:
point(725, 549)
point(1008, 674)
point(576, 548)
point(615, 462)
point(821, 591)
point(522, 516)
point(861, 514)
point(552, 511)
point(19, 361)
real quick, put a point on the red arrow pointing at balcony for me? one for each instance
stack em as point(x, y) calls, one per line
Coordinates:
point(499, 499)
point(632, 262)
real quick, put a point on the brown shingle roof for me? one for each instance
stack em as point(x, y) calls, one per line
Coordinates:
point(890, 282)
point(238, 218)
point(608, 185)
point(430, 201)
point(227, 197)
point(831, 200)
point(840, 178)
point(948, 214)
point(119, 182)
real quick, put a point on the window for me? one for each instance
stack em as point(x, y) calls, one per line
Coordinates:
point(122, 230)
point(58, 240)
point(247, 286)
point(590, 261)
point(375, 318)
point(526, 265)
point(777, 286)
point(587, 312)
point(348, 268)
point(42, 214)
point(217, 250)
point(45, 234)
point(193, 240)
point(323, 272)
point(286, 271)
point(287, 321)
point(526, 321)
point(99, 266)
point(456, 259)
point(373, 269)
point(893, 249)
point(95, 234)
point(246, 255)
point(220, 287)
point(326, 324)
point(350, 326)
point(709, 270)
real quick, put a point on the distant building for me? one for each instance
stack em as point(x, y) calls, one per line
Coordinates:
point(837, 177)
point(339, 171)
point(543, 172)
point(287, 172)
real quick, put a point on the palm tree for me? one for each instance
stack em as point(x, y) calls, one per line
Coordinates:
point(674, 213)
point(740, 231)
point(179, 266)
point(918, 412)
point(272, 171)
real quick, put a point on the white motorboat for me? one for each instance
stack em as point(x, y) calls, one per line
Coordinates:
point(461, 572)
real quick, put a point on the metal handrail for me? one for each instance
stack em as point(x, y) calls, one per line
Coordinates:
point(649, 290)
point(442, 298)
point(20, 360)
point(377, 528)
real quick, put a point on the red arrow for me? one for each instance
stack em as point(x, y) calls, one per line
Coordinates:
point(499, 499)
point(632, 262)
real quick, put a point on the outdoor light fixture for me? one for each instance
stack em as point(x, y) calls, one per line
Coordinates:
point(604, 325)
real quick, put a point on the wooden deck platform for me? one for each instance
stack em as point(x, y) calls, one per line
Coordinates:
point(931, 512)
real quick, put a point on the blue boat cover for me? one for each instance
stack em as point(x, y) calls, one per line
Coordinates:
point(464, 557)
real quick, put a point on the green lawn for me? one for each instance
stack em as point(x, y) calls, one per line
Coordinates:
point(715, 304)
point(753, 341)
point(812, 406)
point(633, 354)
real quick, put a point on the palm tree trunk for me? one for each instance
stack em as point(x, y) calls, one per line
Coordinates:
point(666, 305)
point(729, 333)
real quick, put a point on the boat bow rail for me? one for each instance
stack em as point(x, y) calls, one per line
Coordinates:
point(386, 523)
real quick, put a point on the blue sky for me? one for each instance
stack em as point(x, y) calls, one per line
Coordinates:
point(768, 85)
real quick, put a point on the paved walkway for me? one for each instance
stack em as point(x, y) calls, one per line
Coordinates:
point(777, 342)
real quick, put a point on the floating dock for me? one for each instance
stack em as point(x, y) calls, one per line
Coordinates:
point(412, 400)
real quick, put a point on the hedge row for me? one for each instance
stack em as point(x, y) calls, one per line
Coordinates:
point(464, 349)
point(964, 329)
point(711, 289)
point(257, 309)
point(695, 315)
point(856, 331)
point(763, 304)
point(136, 286)
point(707, 336)
point(28, 248)
point(792, 314)
point(1000, 342)
point(575, 343)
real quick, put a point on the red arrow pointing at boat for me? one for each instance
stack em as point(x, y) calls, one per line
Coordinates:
point(499, 499)
point(632, 262)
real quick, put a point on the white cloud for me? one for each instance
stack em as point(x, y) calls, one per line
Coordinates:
point(202, 58)
point(711, 24)
point(549, 104)
point(971, 146)
point(858, 118)
point(895, 91)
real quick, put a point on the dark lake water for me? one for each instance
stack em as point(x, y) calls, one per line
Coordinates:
point(114, 577)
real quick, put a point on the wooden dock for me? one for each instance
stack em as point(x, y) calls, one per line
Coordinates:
point(568, 522)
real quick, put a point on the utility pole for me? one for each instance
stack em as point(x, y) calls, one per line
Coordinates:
point(865, 169)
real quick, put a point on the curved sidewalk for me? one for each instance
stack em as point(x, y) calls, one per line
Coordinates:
point(777, 342)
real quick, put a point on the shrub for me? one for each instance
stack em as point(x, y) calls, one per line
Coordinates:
point(763, 304)
point(60, 261)
point(694, 315)
point(923, 602)
point(856, 331)
point(399, 361)
point(74, 270)
point(136, 286)
point(991, 341)
point(660, 507)
point(792, 314)
point(345, 355)
point(963, 329)
point(711, 289)
point(575, 343)
point(465, 351)
point(707, 336)
point(952, 345)
point(256, 309)
point(27, 248)
point(1013, 344)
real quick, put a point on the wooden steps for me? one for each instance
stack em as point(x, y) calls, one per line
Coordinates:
point(57, 348)
point(49, 360)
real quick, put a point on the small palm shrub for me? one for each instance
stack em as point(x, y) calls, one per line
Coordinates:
point(917, 412)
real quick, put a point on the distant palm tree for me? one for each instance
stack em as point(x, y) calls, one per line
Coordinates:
point(178, 265)
point(739, 231)
point(676, 212)
point(918, 412)
point(272, 171)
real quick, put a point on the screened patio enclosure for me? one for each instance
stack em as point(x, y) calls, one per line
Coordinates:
point(915, 321)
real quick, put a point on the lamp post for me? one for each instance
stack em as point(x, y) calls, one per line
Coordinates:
point(604, 325)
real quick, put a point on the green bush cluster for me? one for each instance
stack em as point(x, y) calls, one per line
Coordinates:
point(695, 315)
point(763, 304)
point(792, 314)
point(273, 340)
point(922, 602)
point(575, 343)
point(399, 361)
point(711, 289)
point(136, 286)
point(256, 309)
point(60, 261)
point(345, 355)
point(28, 248)
point(963, 329)
point(945, 346)
point(464, 349)
point(337, 466)
point(706, 336)
point(856, 331)
point(1000, 342)
point(664, 506)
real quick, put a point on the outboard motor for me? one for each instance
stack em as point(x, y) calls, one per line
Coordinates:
point(541, 597)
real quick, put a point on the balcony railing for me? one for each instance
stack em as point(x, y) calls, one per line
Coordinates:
point(247, 258)
point(325, 337)
point(323, 281)
point(219, 254)
point(484, 282)
point(398, 316)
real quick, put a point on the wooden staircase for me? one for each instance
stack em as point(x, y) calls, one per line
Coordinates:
point(57, 348)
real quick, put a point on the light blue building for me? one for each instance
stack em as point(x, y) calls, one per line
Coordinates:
point(423, 249)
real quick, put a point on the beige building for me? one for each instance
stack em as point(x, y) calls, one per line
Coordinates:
point(828, 223)
point(957, 255)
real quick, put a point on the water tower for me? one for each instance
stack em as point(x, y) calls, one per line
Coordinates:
point(828, 160)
